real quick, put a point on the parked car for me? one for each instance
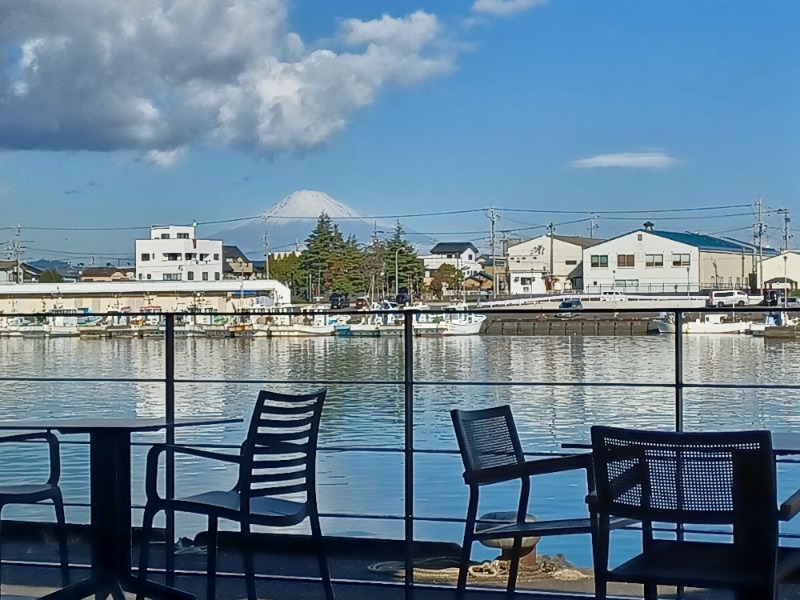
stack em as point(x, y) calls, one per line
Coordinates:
point(569, 308)
point(362, 302)
point(339, 301)
point(612, 296)
point(727, 298)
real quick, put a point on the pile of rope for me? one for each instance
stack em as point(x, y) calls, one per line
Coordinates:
point(444, 569)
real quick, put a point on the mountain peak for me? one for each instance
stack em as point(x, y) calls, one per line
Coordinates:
point(305, 204)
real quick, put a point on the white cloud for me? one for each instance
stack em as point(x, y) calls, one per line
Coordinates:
point(504, 7)
point(626, 160)
point(161, 76)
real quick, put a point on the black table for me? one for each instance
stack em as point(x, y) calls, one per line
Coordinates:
point(110, 477)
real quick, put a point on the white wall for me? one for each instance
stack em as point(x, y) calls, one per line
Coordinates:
point(640, 277)
point(174, 254)
point(532, 259)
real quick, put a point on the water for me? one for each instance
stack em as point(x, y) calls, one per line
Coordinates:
point(369, 418)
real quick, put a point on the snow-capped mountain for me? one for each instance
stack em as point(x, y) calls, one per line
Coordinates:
point(291, 220)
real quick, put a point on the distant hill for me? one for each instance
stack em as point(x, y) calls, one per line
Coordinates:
point(291, 220)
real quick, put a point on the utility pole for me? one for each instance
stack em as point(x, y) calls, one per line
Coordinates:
point(593, 226)
point(786, 235)
point(493, 219)
point(15, 251)
point(551, 229)
point(266, 250)
point(760, 230)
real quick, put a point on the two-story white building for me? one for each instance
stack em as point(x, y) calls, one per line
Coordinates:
point(173, 253)
point(548, 262)
point(462, 255)
point(650, 260)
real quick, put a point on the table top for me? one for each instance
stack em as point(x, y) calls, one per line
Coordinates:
point(77, 425)
point(783, 443)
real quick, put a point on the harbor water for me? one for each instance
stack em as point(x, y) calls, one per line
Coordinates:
point(362, 432)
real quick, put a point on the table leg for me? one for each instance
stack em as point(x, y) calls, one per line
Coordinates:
point(110, 475)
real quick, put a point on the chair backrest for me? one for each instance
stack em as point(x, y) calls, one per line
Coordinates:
point(487, 438)
point(278, 457)
point(715, 477)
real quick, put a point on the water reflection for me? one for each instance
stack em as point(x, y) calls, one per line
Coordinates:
point(371, 416)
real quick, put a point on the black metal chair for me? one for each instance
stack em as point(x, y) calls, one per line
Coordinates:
point(492, 453)
point(725, 480)
point(34, 493)
point(276, 485)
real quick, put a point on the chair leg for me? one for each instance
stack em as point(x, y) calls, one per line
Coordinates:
point(211, 558)
point(249, 561)
point(144, 545)
point(319, 545)
point(600, 542)
point(513, 572)
point(463, 566)
point(61, 525)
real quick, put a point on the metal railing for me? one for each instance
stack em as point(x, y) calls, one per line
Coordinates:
point(409, 383)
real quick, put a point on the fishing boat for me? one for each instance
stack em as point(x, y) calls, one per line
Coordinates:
point(706, 323)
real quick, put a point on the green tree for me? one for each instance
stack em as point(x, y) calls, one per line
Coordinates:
point(319, 260)
point(446, 277)
point(405, 269)
point(289, 270)
point(50, 276)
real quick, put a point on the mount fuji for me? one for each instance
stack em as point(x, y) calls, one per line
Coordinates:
point(290, 221)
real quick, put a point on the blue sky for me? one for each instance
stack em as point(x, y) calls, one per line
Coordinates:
point(122, 115)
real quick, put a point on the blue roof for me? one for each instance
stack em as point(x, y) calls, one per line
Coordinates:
point(710, 243)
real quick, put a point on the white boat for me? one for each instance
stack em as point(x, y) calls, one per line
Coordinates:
point(706, 323)
point(296, 321)
point(454, 321)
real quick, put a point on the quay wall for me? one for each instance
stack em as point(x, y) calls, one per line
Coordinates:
point(566, 327)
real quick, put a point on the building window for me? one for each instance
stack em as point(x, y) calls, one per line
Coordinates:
point(216, 276)
point(599, 260)
point(653, 260)
point(149, 276)
point(572, 262)
point(216, 257)
point(205, 276)
point(164, 236)
point(190, 275)
point(183, 236)
point(203, 256)
point(188, 256)
point(680, 260)
point(172, 256)
point(625, 260)
point(145, 257)
point(172, 276)
point(141, 276)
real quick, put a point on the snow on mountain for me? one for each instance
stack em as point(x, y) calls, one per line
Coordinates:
point(290, 221)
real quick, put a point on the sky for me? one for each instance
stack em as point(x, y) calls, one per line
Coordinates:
point(118, 115)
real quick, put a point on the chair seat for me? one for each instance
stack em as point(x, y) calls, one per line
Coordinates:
point(551, 527)
point(32, 492)
point(700, 564)
point(228, 505)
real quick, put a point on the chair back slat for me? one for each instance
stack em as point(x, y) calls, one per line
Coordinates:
point(279, 453)
point(717, 477)
point(487, 438)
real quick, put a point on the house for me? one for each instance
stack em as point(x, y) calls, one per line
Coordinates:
point(107, 274)
point(462, 255)
point(650, 260)
point(10, 274)
point(235, 264)
point(173, 253)
point(547, 263)
point(479, 283)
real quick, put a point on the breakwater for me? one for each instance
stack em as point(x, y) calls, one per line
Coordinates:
point(583, 327)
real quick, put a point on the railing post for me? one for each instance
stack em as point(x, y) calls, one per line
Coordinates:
point(678, 370)
point(169, 413)
point(408, 448)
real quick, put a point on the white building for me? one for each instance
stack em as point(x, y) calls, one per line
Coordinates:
point(548, 262)
point(782, 271)
point(173, 253)
point(657, 261)
point(462, 255)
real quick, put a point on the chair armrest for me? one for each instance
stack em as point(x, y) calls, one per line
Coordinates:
point(154, 454)
point(529, 468)
point(790, 507)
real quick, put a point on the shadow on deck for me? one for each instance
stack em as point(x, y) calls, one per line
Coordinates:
point(363, 569)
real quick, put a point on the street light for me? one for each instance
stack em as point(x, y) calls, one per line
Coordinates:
point(688, 282)
point(396, 272)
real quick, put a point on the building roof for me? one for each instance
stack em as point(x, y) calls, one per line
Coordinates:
point(232, 253)
point(453, 247)
point(710, 243)
point(105, 271)
point(10, 265)
point(578, 240)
